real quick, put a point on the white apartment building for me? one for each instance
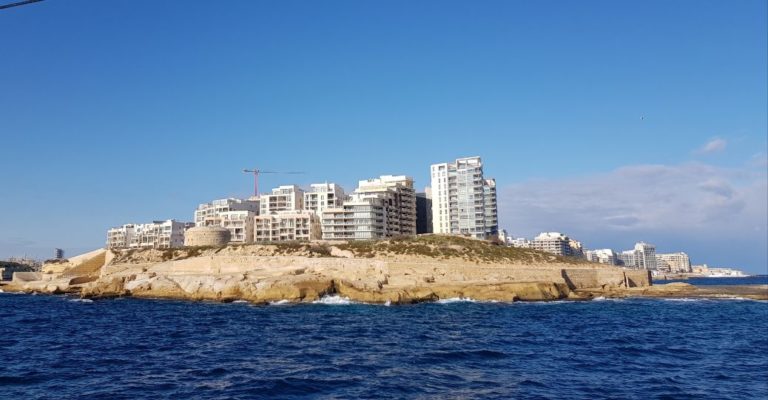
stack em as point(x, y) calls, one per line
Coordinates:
point(602, 256)
point(359, 218)
point(282, 198)
point(399, 200)
point(234, 214)
point(287, 225)
point(321, 196)
point(628, 259)
point(463, 201)
point(157, 235)
point(675, 262)
point(522, 243)
point(646, 255)
point(552, 242)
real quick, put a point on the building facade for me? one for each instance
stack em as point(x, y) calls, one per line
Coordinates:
point(675, 262)
point(552, 242)
point(288, 225)
point(399, 200)
point(157, 234)
point(424, 212)
point(234, 214)
point(321, 196)
point(463, 200)
point(283, 198)
point(602, 256)
point(646, 255)
point(359, 218)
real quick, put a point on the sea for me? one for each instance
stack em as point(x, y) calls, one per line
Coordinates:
point(60, 347)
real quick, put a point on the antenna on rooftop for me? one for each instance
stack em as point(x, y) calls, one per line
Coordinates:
point(256, 172)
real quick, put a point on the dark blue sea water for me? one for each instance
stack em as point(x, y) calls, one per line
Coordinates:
point(53, 347)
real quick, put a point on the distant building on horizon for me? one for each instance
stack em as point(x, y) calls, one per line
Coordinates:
point(555, 243)
point(463, 200)
point(236, 215)
point(58, 254)
point(674, 262)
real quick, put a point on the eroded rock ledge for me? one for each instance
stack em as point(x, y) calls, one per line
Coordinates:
point(398, 271)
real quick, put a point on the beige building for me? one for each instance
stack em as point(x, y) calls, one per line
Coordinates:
point(283, 198)
point(323, 195)
point(674, 262)
point(399, 201)
point(359, 218)
point(553, 242)
point(234, 214)
point(282, 226)
point(157, 235)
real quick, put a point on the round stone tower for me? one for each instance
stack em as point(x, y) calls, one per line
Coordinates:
point(209, 236)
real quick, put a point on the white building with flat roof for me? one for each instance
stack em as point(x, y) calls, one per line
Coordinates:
point(552, 242)
point(675, 262)
point(359, 218)
point(463, 200)
point(646, 255)
point(157, 234)
point(602, 256)
point(323, 195)
point(234, 214)
point(287, 225)
point(282, 198)
point(399, 200)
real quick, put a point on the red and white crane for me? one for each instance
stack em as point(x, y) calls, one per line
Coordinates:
point(256, 172)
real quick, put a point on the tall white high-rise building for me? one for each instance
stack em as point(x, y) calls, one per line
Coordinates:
point(399, 199)
point(646, 255)
point(463, 200)
point(676, 262)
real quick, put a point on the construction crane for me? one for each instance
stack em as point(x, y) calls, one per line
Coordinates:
point(257, 172)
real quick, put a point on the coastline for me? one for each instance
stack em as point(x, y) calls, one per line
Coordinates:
point(390, 272)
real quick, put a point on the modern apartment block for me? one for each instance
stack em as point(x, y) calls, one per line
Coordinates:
point(399, 200)
point(321, 196)
point(234, 214)
point(628, 258)
point(463, 200)
point(643, 256)
point(675, 262)
point(646, 255)
point(287, 225)
point(553, 242)
point(283, 198)
point(359, 218)
point(602, 256)
point(157, 235)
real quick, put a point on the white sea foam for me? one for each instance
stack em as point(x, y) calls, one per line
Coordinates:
point(603, 298)
point(279, 303)
point(2, 291)
point(388, 303)
point(334, 300)
point(684, 300)
point(456, 300)
point(81, 300)
point(240, 301)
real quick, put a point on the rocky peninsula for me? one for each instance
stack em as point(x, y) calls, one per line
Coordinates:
point(396, 271)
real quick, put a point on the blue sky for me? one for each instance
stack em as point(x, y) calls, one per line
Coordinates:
point(122, 111)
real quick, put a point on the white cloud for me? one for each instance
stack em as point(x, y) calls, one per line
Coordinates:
point(713, 146)
point(693, 202)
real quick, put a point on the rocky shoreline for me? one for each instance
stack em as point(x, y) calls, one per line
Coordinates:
point(395, 272)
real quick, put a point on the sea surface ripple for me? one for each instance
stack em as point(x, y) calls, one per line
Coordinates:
point(53, 347)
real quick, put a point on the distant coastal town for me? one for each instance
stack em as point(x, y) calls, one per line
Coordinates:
point(461, 200)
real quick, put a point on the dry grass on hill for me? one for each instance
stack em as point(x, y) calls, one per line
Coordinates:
point(427, 246)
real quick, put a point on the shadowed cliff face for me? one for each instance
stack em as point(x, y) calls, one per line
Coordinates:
point(403, 270)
